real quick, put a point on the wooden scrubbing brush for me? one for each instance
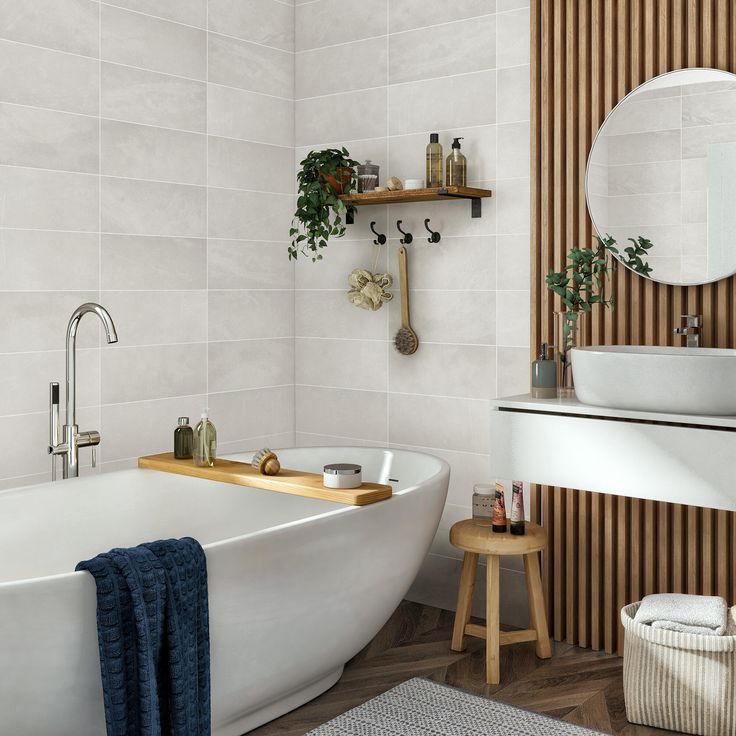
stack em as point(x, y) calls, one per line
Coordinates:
point(406, 340)
point(266, 462)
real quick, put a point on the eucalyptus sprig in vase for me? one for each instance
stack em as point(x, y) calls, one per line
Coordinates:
point(581, 285)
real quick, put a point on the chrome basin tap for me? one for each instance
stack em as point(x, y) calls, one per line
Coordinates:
point(73, 439)
point(691, 330)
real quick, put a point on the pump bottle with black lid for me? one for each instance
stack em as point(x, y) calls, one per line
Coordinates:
point(456, 166)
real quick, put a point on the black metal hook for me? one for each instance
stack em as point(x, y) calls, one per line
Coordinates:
point(434, 237)
point(380, 237)
point(408, 237)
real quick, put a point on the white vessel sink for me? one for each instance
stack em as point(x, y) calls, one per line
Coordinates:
point(657, 379)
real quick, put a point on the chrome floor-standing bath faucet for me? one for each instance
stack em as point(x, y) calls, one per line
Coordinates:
point(73, 438)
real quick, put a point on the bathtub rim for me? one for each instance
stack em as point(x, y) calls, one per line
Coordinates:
point(444, 467)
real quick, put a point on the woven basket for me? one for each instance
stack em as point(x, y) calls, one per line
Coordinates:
point(681, 682)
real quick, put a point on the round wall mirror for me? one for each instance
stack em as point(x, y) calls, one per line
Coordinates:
point(662, 172)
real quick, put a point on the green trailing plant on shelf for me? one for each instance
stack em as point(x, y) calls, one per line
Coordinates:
point(582, 284)
point(320, 213)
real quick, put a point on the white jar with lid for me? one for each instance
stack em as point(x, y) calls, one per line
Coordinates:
point(342, 475)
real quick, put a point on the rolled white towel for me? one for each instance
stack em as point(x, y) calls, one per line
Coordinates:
point(694, 614)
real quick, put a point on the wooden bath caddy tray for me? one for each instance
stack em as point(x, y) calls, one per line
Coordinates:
point(296, 482)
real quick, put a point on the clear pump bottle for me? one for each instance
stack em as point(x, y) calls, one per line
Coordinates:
point(205, 442)
point(456, 169)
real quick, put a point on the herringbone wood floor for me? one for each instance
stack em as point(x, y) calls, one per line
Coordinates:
point(577, 685)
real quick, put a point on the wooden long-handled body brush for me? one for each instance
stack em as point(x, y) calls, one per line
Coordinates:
point(406, 340)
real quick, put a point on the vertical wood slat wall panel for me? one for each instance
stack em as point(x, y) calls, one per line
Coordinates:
point(605, 551)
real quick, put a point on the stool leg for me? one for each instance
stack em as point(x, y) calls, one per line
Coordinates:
point(464, 600)
point(493, 620)
point(536, 605)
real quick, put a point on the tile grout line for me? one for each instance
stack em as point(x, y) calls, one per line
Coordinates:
point(99, 222)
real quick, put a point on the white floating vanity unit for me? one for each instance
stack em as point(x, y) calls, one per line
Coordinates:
point(680, 458)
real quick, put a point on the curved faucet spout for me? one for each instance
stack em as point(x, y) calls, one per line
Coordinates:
point(110, 332)
point(71, 351)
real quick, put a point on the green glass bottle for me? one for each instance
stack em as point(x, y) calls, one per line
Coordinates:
point(183, 439)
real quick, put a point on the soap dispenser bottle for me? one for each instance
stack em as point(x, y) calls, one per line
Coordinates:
point(456, 167)
point(434, 161)
point(544, 375)
point(205, 442)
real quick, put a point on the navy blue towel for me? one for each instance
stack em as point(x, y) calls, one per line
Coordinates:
point(153, 632)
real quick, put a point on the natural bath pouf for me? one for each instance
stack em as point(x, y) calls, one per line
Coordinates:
point(369, 290)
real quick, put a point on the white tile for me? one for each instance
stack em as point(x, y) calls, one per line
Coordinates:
point(139, 207)
point(46, 260)
point(330, 314)
point(191, 12)
point(245, 364)
point(311, 439)
point(48, 200)
point(347, 116)
point(64, 25)
point(454, 262)
point(250, 66)
point(357, 364)
point(239, 264)
point(512, 318)
point(152, 99)
point(145, 152)
point(646, 178)
point(466, 371)
point(242, 315)
point(35, 76)
point(245, 165)
point(160, 45)
point(242, 414)
point(405, 15)
point(240, 114)
point(139, 373)
point(153, 262)
point(638, 116)
point(144, 427)
point(513, 371)
point(364, 65)
point(266, 22)
point(466, 99)
point(512, 206)
point(48, 139)
point(513, 261)
point(513, 38)
point(513, 94)
point(37, 320)
point(716, 108)
point(513, 150)
point(249, 215)
point(325, 22)
point(442, 50)
point(334, 411)
point(449, 423)
point(158, 317)
point(465, 317)
point(26, 376)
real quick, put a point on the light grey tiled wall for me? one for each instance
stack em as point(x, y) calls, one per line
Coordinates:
point(378, 76)
point(146, 162)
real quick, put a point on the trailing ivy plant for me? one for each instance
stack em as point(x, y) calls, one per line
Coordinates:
point(320, 213)
point(582, 283)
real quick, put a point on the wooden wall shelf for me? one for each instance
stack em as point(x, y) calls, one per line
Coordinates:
point(434, 194)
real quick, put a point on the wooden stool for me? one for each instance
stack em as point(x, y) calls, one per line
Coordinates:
point(475, 537)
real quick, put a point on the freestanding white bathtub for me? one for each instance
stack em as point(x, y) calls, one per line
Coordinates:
point(296, 586)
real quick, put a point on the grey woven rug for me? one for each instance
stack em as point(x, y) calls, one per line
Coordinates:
point(420, 707)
